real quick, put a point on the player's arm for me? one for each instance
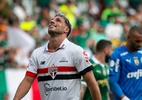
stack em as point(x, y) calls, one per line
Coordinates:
point(114, 75)
point(116, 89)
point(81, 61)
point(114, 86)
point(92, 85)
point(23, 88)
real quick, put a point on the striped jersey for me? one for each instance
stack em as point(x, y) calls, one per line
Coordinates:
point(58, 72)
point(126, 72)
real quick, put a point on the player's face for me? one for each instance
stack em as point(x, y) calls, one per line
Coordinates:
point(57, 26)
point(108, 53)
point(135, 41)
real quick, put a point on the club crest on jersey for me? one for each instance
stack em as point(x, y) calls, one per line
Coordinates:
point(86, 56)
point(136, 61)
point(52, 71)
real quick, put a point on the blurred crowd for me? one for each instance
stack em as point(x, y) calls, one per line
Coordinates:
point(24, 25)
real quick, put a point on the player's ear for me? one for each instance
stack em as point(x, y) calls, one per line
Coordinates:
point(106, 50)
point(66, 30)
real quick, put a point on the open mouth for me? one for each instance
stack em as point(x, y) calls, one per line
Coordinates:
point(52, 25)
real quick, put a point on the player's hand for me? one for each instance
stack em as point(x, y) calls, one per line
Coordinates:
point(125, 98)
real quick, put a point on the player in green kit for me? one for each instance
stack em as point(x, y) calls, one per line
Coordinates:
point(100, 70)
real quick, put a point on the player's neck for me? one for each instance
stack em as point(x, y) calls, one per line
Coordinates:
point(100, 57)
point(129, 48)
point(54, 43)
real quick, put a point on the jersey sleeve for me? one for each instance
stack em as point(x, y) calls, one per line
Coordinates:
point(114, 74)
point(81, 60)
point(32, 66)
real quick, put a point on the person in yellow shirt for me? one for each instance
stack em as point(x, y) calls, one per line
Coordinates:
point(70, 10)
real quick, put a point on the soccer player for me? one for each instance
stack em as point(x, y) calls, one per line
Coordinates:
point(125, 63)
point(58, 65)
point(100, 70)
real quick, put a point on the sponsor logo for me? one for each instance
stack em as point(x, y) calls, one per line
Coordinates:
point(115, 65)
point(48, 88)
point(63, 60)
point(42, 62)
point(111, 63)
point(128, 60)
point(136, 61)
point(140, 51)
point(98, 71)
point(136, 74)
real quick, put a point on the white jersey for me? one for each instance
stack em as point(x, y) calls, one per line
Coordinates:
point(58, 72)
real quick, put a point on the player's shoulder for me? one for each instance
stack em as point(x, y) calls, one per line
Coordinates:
point(120, 50)
point(74, 46)
point(140, 51)
point(75, 49)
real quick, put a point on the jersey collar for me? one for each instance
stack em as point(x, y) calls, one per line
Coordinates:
point(62, 46)
point(97, 61)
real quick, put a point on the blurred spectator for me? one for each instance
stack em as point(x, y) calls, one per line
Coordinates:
point(54, 8)
point(70, 10)
point(44, 14)
point(9, 58)
point(139, 14)
point(3, 45)
point(126, 27)
point(106, 15)
point(17, 38)
point(94, 25)
point(11, 62)
point(28, 24)
point(135, 4)
point(34, 33)
point(133, 20)
point(3, 35)
point(114, 31)
point(99, 34)
point(4, 8)
point(19, 10)
point(110, 12)
point(43, 28)
point(43, 3)
point(123, 3)
point(93, 9)
point(108, 2)
point(83, 36)
point(3, 57)
point(28, 5)
point(43, 32)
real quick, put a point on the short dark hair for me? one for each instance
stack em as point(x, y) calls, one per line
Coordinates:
point(66, 21)
point(137, 29)
point(102, 44)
